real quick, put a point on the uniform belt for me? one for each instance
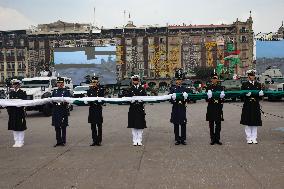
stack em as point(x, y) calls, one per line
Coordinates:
point(58, 103)
point(252, 99)
point(214, 101)
point(179, 102)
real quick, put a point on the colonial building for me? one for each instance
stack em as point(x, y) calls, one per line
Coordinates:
point(63, 27)
point(13, 54)
point(153, 52)
point(22, 55)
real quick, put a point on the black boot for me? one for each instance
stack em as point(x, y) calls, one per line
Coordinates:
point(183, 142)
point(59, 144)
point(177, 142)
point(218, 142)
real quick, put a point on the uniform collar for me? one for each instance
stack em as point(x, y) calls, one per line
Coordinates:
point(252, 82)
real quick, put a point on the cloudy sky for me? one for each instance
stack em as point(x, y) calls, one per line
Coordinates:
point(19, 14)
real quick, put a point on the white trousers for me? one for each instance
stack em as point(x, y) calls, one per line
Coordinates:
point(137, 136)
point(251, 132)
point(19, 137)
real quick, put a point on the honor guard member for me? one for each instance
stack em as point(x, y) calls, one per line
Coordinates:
point(215, 109)
point(95, 111)
point(136, 114)
point(178, 115)
point(251, 112)
point(17, 120)
point(60, 113)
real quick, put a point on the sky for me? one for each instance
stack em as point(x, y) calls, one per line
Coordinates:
point(21, 14)
point(270, 49)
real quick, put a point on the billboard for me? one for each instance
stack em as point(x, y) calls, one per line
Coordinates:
point(77, 62)
point(269, 53)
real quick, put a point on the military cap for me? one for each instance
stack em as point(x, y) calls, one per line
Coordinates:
point(60, 80)
point(135, 77)
point(214, 75)
point(95, 78)
point(251, 72)
point(16, 82)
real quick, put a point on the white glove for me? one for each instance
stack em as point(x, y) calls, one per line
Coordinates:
point(85, 102)
point(99, 101)
point(174, 97)
point(261, 93)
point(248, 94)
point(209, 94)
point(185, 95)
point(132, 100)
point(222, 95)
point(140, 100)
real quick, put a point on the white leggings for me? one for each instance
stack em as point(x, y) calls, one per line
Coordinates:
point(137, 135)
point(19, 137)
point(251, 132)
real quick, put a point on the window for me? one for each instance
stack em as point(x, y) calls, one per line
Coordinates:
point(2, 77)
point(162, 40)
point(20, 65)
point(151, 41)
point(128, 41)
point(41, 44)
point(31, 45)
point(140, 41)
point(12, 66)
point(11, 43)
point(243, 39)
point(22, 42)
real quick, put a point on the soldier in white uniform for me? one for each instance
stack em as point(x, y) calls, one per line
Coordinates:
point(251, 113)
point(17, 120)
point(136, 114)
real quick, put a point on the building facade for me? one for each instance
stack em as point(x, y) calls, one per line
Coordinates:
point(155, 52)
point(152, 52)
point(22, 55)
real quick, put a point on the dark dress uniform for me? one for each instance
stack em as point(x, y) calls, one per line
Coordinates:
point(95, 117)
point(136, 114)
point(251, 114)
point(60, 114)
point(17, 120)
point(215, 113)
point(178, 114)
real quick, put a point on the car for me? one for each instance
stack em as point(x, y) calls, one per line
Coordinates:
point(80, 91)
point(275, 84)
point(232, 85)
point(123, 92)
point(42, 87)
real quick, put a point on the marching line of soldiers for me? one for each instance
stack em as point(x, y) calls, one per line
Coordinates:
point(250, 117)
